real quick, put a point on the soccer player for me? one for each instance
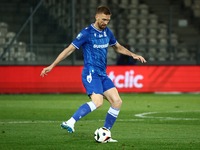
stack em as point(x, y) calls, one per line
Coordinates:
point(95, 40)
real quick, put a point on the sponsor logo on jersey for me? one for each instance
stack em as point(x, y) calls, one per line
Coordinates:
point(100, 46)
point(100, 35)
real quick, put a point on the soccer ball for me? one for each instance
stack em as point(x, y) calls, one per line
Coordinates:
point(102, 135)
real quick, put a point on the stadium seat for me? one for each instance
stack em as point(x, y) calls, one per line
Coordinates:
point(30, 56)
point(111, 55)
point(142, 42)
point(162, 33)
point(162, 36)
point(153, 21)
point(110, 25)
point(103, 2)
point(2, 39)
point(192, 57)
point(143, 6)
point(197, 2)
point(54, 2)
point(132, 23)
point(133, 14)
point(140, 53)
point(171, 56)
point(92, 11)
point(124, 4)
point(47, 3)
point(132, 49)
point(144, 11)
point(152, 16)
point(142, 49)
point(140, 35)
point(152, 42)
point(162, 54)
point(19, 56)
point(122, 40)
point(133, 4)
point(1, 50)
point(174, 41)
point(63, 22)
point(163, 42)
point(10, 36)
point(152, 26)
point(152, 33)
point(162, 26)
point(122, 32)
point(131, 33)
point(142, 31)
point(21, 47)
point(152, 50)
point(196, 10)
point(149, 36)
point(187, 3)
point(93, 4)
point(10, 56)
point(55, 11)
point(143, 23)
point(152, 54)
point(151, 58)
point(142, 16)
point(131, 41)
point(133, 11)
point(174, 36)
point(183, 54)
point(3, 28)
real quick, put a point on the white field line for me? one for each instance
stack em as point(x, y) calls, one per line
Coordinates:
point(38, 121)
point(142, 115)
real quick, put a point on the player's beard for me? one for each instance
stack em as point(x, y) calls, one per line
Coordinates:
point(101, 26)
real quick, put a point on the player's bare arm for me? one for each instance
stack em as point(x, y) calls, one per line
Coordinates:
point(66, 52)
point(122, 50)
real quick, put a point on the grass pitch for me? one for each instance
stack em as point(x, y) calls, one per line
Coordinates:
point(145, 122)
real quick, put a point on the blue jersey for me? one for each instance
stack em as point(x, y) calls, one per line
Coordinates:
point(95, 44)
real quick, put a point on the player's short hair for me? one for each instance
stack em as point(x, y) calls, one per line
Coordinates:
point(103, 9)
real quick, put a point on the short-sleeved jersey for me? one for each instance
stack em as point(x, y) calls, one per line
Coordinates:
point(95, 44)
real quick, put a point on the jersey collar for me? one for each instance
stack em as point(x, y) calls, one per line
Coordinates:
point(96, 28)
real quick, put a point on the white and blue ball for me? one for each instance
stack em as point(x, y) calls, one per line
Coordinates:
point(102, 135)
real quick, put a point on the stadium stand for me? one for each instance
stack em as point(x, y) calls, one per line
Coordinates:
point(142, 24)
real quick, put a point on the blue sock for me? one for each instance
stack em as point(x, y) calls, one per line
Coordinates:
point(111, 117)
point(84, 110)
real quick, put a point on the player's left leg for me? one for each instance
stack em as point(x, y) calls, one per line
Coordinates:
point(113, 97)
point(111, 94)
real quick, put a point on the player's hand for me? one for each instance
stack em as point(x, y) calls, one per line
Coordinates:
point(138, 57)
point(45, 71)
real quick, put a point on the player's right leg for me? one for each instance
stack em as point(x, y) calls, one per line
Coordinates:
point(94, 89)
point(97, 101)
point(81, 112)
